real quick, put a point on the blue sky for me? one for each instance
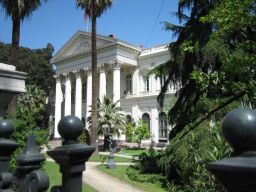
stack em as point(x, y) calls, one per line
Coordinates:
point(134, 21)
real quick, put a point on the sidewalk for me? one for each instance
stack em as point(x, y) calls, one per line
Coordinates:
point(103, 182)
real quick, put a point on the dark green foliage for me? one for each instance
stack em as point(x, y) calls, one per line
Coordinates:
point(147, 168)
point(35, 62)
point(149, 162)
point(184, 161)
point(135, 175)
point(84, 137)
point(212, 59)
point(30, 117)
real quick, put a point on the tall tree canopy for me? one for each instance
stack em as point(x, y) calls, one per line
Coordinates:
point(35, 62)
point(94, 9)
point(213, 60)
point(18, 10)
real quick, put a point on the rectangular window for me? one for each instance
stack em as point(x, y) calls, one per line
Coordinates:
point(146, 84)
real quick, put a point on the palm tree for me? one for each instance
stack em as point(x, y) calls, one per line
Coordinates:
point(94, 9)
point(111, 120)
point(18, 10)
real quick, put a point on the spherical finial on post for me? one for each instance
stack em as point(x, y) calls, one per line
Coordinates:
point(6, 128)
point(70, 128)
point(239, 129)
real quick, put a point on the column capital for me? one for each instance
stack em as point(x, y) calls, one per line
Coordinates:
point(67, 75)
point(77, 73)
point(102, 68)
point(89, 70)
point(116, 64)
point(57, 77)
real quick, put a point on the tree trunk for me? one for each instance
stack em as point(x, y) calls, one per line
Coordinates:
point(14, 59)
point(94, 133)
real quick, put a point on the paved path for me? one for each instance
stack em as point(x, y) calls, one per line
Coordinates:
point(103, 182)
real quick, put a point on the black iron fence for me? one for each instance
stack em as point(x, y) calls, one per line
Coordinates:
point(28, 175)
point(237, 173)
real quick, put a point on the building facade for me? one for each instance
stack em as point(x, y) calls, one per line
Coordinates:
point(123, 75)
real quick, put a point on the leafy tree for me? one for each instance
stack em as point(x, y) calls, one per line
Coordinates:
point(18, 10)
point(129, 130)
point(110, 119)
point(184, 160)
point(30, 117)
point(94, 9)
point(141, 132)
point(35, 62)
point(213, 59)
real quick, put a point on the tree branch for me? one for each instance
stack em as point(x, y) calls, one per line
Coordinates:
point(235, 97)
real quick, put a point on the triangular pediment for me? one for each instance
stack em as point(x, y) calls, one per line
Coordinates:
point(79, 43)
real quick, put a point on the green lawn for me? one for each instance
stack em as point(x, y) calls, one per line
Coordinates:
point(101, 158)
point(119, 173)
point(55, 177)
point(132, 151)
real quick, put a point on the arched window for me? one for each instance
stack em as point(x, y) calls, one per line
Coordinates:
point(129, 83)
point(146, 119)
point(162, 120)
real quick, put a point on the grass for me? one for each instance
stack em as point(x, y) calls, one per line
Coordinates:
point(101, 158)
point(55, 177)
point(104, 158)
point(120, 173)
point(132, 151)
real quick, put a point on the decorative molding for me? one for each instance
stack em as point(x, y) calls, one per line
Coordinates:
point(102, 68)
point(89, 71)
point(116, 65)
point(67, 75)
point(77, 73)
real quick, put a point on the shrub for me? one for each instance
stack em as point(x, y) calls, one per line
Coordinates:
point(148, 162)
point(130, 127)
point(85, 137)
point(141, 132)
point(29, 117)
point(184, 161)
point(135, 175)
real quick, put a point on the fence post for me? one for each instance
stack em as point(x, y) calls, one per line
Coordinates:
point(72, 155)
point(238, 173)
point(7, 147)
point(28, 176)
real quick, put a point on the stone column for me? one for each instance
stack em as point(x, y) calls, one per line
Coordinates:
point(89, 94)
point(58, 100)
point(102, 86)
point(78, 99)
point(154, 124)
point(68, 95)
point(116, 82)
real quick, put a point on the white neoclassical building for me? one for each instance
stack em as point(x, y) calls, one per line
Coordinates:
point(123, 75)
